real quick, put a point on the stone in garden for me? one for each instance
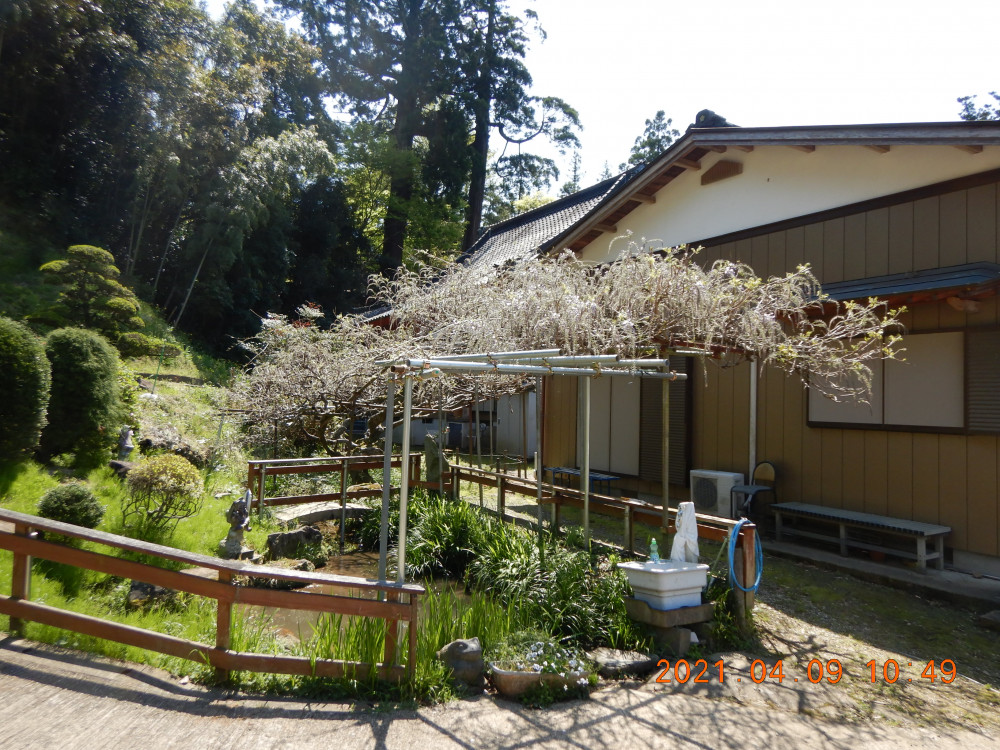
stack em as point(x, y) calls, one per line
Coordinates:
point(613, 663)
point(304, 566)
point(121, 468)
point(142, 594)
point(287, 544)
point(465, 658)
point(991, 619)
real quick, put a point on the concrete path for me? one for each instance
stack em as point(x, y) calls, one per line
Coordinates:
point(52, 698)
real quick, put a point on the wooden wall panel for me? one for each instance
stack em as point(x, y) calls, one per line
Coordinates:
point(758, 256)
point(776, 255)
point(900, 475)
point(981, 471)
point(854, 468)
point(953, 231)
point(926, 473)
point(877, 242)
point(559, 436)
point(953, 487)
point(832, 471)
point(740, 451)
point(901, 238)
point(833, 250)
point(812, 249)
point(791, 461)
point(725, 422)
point(854, 246)
point(876, 472)
point(982, 213)
point(926, 233)
point(706, 395)
point(795, 253)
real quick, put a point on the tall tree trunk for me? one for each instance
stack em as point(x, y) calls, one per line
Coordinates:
point(481, 141)
point(400, 185)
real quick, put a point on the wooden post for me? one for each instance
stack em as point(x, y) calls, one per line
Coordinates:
point(665, 447)
point(411, 661)
point(223, 626)
point(391, 634)
point(20, 586)
point(501, 500)
point(260, 492)
point(745, 561)
point(343, 497)
point(629, 530)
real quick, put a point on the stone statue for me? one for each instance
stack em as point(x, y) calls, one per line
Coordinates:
point(238, 516)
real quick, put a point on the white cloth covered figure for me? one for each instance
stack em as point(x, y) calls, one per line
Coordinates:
point(685, 547)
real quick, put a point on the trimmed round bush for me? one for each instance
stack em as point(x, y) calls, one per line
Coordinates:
point(25, 379)
point(85, 407)
point(74, 503)
point(134, 344)
point(161, 491)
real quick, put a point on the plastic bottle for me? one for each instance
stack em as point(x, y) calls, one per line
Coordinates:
point(654, 552)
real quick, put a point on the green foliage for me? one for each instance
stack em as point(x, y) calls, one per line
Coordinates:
point(656, 138)
point(73, 502)
point(161, 491)
point(135, 344)
point(440, 541)
point(85, 408)
point(986, 112)
point(25, 379)
point(91, 294)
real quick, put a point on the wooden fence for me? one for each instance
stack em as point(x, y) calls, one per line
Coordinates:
point(397, 602)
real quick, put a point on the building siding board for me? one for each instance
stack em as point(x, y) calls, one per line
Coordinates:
point(926, 471)
point(877, 242)
point(900, 475)
point(926, 233)
point(832, 470)
point(982, 238)
point(981, 471)
point(776, 255)
point(741, 416)
point(854, 468)
point(953, 487)
point(833, 250)
point(812, 248)
point(795, 254)
point(953, 228)
point(876, 475)
point(854, 246)
point(901, 238)
point(791, 459)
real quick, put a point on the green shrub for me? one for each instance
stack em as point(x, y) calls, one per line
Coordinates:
point(134, 344)
point(74, 503)
point(25, 379)
point(85, 407)
point(161, 491)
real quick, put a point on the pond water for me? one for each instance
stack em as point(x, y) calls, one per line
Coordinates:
point(293, 624)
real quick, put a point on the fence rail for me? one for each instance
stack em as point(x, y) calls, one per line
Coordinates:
point(25, 543)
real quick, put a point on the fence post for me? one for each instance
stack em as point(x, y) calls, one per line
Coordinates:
point(745, 561)
point(223, 626)
point(629, 530)
point(20, 586)
point(391, 634)
point(260, 492)
point(343, 499)
point(501, 499)
point(411, 662)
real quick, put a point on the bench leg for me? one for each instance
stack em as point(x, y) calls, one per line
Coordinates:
point(939, 548)
point(777, 525)
point(922, 554)
point(843, 539)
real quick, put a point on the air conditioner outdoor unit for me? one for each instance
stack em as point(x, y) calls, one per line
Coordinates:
point(710, 491)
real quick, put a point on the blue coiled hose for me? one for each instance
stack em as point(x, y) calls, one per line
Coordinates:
point(758, 556)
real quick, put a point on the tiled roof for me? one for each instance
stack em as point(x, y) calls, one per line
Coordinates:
point(966, 276)
point(532, 232)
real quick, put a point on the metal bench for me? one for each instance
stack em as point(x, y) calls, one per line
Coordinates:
point(848, 520)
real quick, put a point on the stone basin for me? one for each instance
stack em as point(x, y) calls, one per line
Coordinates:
point(667, 584)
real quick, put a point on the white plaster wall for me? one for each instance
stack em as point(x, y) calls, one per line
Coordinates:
point(779, 182)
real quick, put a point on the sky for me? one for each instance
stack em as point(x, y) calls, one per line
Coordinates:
point(763, 63)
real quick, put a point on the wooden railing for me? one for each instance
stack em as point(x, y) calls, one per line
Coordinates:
point(632, 511)
point(259, 470)
point(397, 601)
